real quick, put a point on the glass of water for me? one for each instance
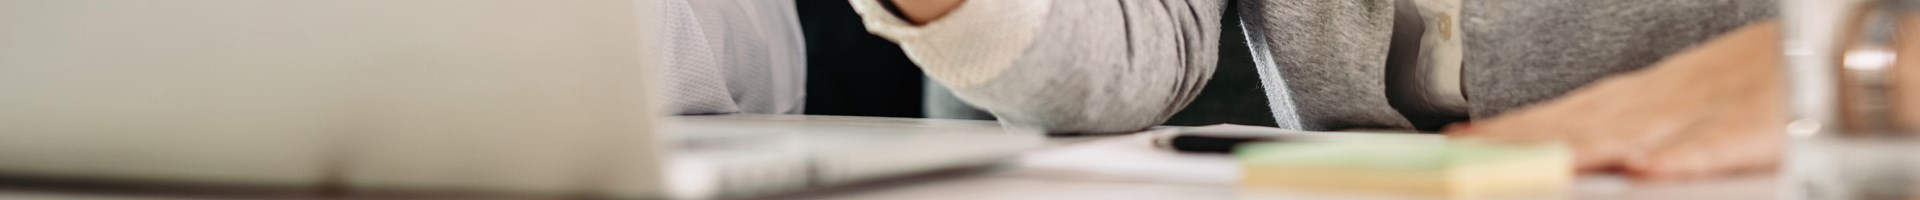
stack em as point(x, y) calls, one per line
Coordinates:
point(1853, 75)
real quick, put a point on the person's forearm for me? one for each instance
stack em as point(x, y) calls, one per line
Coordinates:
point(924, 11)
point(1064, 66)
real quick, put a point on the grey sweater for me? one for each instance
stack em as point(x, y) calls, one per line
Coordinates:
point(1086, 66)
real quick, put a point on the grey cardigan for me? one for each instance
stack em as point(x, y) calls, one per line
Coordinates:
point(1122, 65)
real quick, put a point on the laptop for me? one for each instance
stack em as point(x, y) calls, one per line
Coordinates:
point(547, 98)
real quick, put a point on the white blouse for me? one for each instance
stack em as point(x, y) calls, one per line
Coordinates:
point(728, 56)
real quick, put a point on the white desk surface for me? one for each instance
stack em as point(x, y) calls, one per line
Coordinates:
point(1114, 167)
point(1128, 167)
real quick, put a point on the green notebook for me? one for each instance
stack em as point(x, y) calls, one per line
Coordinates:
point(1450, 169)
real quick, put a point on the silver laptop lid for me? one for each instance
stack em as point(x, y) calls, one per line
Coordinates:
point(542, 97)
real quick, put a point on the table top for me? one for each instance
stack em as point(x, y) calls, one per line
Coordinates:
point(1127, 166)
point(1122, 166)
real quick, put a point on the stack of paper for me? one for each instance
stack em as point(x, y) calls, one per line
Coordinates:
point(1451, 170)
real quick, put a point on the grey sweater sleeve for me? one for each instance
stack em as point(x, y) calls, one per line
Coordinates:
point(1107, 66)
point(1522, 52)
point(1085, 66)
point(1323, 62)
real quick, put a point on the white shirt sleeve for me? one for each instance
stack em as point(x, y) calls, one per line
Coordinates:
point(972, 44)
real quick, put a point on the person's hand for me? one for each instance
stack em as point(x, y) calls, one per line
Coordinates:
point(925, 11)
point(1713, 110)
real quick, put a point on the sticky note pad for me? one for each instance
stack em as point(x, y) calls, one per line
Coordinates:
point(1445, 170)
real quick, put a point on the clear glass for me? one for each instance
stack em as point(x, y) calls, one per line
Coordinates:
point(1853, 117)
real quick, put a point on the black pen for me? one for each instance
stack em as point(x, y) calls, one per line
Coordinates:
point(1223, 138)
point(1212, 139)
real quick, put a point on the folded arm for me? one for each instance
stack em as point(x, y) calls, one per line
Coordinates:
point(1068, 66)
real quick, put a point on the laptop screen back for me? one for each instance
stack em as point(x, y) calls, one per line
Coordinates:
point(539, 97)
